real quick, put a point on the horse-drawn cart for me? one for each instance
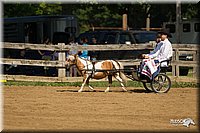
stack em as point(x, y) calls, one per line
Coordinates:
point(159, 83)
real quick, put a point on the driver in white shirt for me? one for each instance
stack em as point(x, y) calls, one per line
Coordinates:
point(163, 50)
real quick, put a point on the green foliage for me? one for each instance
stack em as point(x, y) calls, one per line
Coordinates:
point(16, 10)
point(20, 9)
point(27, 83)
point(48, 9)
point(190, 11)
point(91, 13)
point(184, 85)
point(96, 15)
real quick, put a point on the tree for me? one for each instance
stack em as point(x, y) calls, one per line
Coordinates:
point(90, 15)
point(48, 9)
point(16, 10)
point(94, 14)
point(190, 11)
point(20, 9)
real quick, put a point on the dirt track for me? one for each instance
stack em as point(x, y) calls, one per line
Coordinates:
point(63, 108)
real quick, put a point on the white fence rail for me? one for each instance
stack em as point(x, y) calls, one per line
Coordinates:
point(192, 49)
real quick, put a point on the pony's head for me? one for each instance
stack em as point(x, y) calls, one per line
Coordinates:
point(71, 60)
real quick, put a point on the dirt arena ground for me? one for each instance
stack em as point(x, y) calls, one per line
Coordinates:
point(64, 109)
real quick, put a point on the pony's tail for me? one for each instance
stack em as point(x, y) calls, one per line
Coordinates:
point(121, 73)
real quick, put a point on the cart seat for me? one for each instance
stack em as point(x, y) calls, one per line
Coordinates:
point(167, 66)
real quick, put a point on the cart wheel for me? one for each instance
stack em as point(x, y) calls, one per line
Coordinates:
point(147, 86)
point(161, 83)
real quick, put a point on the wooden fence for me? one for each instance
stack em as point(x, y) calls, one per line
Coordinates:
point(192, 49)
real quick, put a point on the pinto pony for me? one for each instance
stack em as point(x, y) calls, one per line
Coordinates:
point(98, 70)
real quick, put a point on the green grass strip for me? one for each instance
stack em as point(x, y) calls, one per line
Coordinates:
point(95, 84)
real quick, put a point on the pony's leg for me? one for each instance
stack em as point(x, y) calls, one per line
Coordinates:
point(83, 84)
point(110, 83)
point(121, 81)
point(108, 88)
point(87, 82)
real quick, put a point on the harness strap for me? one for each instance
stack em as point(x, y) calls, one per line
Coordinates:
point(93, 69)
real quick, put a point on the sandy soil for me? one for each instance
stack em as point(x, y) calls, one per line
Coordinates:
point(64, 109)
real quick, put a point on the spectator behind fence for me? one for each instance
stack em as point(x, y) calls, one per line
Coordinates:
point(27, 70)
point(93, 54)
point(46, 54)
point(49, 56)
point(14, 68)
point(72, 71)
point(84, 53)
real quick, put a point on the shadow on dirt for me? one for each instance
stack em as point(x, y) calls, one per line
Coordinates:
point(140, 91)
point(129, 91)
point(86, 91)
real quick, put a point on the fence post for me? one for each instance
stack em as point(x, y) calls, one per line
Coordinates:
point(124, 22)
point(195, 68)
point(62, 59)
point(173, 65)
point(177, 65)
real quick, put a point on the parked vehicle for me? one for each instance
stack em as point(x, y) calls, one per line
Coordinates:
point(118, 36)
point(189, 31)
point(125, 37)
point(36, 30)
point(90, 34)
point(144, 36)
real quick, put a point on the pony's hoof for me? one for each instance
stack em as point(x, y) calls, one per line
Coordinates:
point(125, 90)
point(106, 91)
point(79, 90)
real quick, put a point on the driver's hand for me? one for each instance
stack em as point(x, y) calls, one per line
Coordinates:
point(145, 56)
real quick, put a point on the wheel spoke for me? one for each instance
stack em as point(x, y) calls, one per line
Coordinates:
point(161, 83)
